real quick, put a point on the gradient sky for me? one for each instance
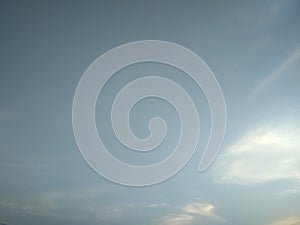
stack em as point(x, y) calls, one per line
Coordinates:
point(253, 47)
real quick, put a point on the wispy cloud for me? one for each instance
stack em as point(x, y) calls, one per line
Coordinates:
point(288, 221)
point(156, 205)
point(178, 219)
point(78, 204)
point(194, 213)
point(290, 191)
point(263, 154)
point(56, 199)
point(277, 72)
point(202, 209)
point(268, 15)
point(18, 206)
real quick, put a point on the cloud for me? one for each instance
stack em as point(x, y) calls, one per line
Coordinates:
point(264, 154)
point(156, 205)
point(290, 191)
point(33, 212)
point(58, 199)
point(77, 204)
point(268, 15)
point(17, 206)
point(194, 213)
point(203, 209)
point(288, 221)
point(178, 219)
point(85, 205)
point(277, 72)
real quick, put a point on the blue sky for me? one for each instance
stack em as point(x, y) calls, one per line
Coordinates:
point(253, 47)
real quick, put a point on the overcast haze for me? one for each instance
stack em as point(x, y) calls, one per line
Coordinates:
point(253, 47)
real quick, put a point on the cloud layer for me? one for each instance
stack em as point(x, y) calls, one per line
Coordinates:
point(194, 213)
point(265, 153)
point(288, 221)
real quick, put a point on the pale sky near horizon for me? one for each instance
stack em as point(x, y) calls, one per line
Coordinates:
point(253, 47)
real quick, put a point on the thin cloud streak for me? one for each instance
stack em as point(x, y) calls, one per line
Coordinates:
point(277, 72)
point(290, 191)
point(157, 205)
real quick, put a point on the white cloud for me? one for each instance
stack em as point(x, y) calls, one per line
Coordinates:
point(263, 154)
point(156, 205)
point(288, 221)
point(199, 208)
point(194, 213)
point(278, 71)
point(203, 209)
point(178, 219)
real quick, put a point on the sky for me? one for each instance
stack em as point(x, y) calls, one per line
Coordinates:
point(253, 48)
